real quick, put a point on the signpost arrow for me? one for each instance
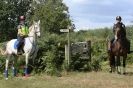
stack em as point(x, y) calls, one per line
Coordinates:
point(64, 30)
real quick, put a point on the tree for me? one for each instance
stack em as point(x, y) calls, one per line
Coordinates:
point(54, 15)
point(10, 10)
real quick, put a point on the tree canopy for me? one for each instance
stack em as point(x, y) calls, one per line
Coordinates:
point(10, 10)
point(54, 15)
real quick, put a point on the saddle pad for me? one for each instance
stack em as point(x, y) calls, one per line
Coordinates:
point(16, 44)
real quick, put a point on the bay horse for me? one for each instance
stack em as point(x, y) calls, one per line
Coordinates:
point(119, 48)
point(29, 48)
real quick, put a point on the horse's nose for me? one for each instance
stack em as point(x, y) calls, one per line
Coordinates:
point(39, 36)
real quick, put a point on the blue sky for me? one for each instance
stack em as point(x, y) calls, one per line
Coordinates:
point(89, 14)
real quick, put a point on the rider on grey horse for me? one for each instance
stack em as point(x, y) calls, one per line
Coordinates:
point(22, 33)
point(123, 34)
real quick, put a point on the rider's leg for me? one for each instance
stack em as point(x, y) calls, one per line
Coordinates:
point(20, 39)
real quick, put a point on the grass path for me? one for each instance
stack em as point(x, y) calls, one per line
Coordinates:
point(72, 80)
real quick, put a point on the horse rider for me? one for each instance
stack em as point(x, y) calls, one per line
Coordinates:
point(22, 33)
point(123, 34)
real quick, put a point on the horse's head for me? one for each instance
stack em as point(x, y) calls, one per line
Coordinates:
point(35, 29)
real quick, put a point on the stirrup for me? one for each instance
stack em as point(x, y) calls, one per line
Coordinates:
point(19, 52)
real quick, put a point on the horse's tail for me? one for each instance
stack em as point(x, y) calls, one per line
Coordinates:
point(3, 49)
point(3, 52)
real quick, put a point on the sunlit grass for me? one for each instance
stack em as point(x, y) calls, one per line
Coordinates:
point(71, 80)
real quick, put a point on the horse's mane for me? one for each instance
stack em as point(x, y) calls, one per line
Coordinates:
point(120, 31)
point(30, 28)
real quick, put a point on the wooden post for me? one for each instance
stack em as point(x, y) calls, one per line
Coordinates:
point(66, 54)
point(68, 49)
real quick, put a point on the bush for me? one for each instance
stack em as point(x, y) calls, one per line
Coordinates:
point(2, 64)
point(50, 56)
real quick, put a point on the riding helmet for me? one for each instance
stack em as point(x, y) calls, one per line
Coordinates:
point(118, 18)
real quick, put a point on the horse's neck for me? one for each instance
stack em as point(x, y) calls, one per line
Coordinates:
point(32, 37)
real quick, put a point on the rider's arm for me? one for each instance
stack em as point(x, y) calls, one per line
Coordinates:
point(19, 30)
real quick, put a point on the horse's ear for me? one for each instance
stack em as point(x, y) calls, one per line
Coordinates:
point(30, 28)
point(39, 22)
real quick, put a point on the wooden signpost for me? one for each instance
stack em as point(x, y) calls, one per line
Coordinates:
point(67, 47)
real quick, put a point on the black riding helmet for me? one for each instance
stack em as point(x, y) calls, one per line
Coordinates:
point(118, 18)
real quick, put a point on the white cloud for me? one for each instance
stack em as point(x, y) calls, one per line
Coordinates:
point(99, 13)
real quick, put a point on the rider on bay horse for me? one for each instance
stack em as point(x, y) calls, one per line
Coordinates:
point(22, 33)
point(123, 33)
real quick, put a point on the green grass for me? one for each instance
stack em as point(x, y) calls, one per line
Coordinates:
point(72, 80)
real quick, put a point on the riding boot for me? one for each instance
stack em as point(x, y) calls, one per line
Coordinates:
point(20, 39)
point(19, 52)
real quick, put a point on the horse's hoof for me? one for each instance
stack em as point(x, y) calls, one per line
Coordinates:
point(16, 75)
point(27, 75)
point(119, 72)
point(124, 73)
point(110, 71)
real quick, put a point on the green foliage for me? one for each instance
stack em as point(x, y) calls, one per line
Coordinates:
point(2, 64)
point(78, 64)
point(52, 16)
point(51, 55)
point(51, 13)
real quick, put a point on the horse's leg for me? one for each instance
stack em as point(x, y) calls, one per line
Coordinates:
point(6, 67)
point(118, 64)
point(124, 65)
point(112, 63)
point(34, 55)
point(13, 66)
point(26, 62)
